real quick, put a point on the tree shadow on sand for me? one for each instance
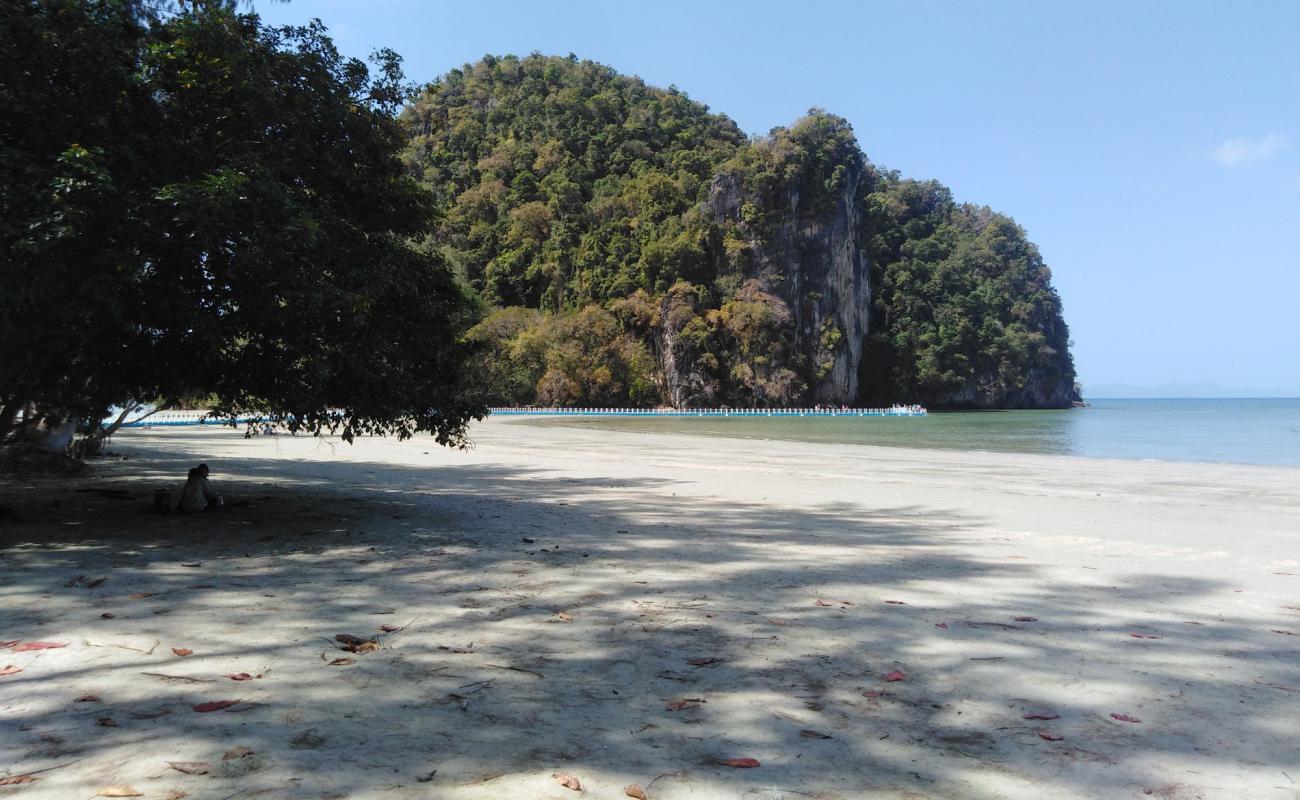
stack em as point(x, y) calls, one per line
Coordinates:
point(568, 641)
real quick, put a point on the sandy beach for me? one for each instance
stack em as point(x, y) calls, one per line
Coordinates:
point(644, 609)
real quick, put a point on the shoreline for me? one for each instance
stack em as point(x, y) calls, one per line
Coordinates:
point(625, 608)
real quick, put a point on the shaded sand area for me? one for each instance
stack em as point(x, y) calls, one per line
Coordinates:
point(632, 609)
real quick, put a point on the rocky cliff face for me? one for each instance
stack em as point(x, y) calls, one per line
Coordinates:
point(811, 256)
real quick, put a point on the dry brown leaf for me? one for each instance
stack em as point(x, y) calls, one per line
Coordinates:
point(176, 794)
point(807, 734)
point(739, 763)
point(215, 705)
point(685, 702)
point(632, 790)
point(106, 722)
point(11, 670)
point(107, 615)
point(23, 647)
point(390, 628)
point(87, 698)
point(14, 780)
point(119, 790)
point(240, 676)
point(702, 662)
point(823, 603)
point(896, 675)
point(141, 595)
point(342, 662)
point(182, 651)
point(564, 616)
point(191, 767)
point(237, 752)
point(568, 781)
point(776, 621)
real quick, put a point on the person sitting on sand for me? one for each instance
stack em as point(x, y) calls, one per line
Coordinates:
point(197, 494)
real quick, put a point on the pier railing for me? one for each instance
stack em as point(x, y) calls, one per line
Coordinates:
point(895, 411)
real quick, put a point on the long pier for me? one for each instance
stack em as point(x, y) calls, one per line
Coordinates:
point(895, 411)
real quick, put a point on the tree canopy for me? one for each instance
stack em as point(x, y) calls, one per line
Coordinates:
point(194, 203)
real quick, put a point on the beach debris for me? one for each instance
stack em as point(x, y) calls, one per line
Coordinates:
point(240, 676)
point(1050, 736)
point(669, 675)
point(241, 751)
point(140, 595)
point(1044, 715)
point(177, 678)
point(1124, 718)
point(87, 698)
point(1025, 619)
point(874, 694)
point(811, 734)
point(776, 621)
point(684, 702)
point(14, 780)
point(308, 740)
point(896, 675)
point(564, 616)
point(391, 628)
point(342, 662)
point(703, 662)
point(182, 651)
point(567, 781)
point(214, 705)
point(846, 602)
point(10, 670)
point(191, 767)
point(527, 540)
point(107, 615)
point(941, 625)
point(355, 644)
point(822, 603)
point(106, 722)
point(738, 763)
point(176, 794)
point(1284, 633)
point(119, 790)
point(895, 603)
point(19, 646)
point(636, 792)
point(1137, 635)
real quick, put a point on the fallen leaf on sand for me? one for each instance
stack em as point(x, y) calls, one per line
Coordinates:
point(1136, 635)
point(107, 615)
point(240, 676)
point(564, 617)
point(701, 662)
point(237, 752)
point(1050, 736)
point(14, 780)
point(191, 767)
point(807, 734)
point(342, 662)
point(822, 602)
point(87, 698)
point(895, 602)
point(390, 628)
point(568, 781)
point(940, 624)
point(685, 702)
point(1025, 619)
point(140, 596)
point(10, 670)
point(8, 644)
point(1124, 718)
point(776, 621)
point(1045, 715)
point(739, 763)
point(1284, 633)
point(846, 602)
point(634, 791)
point(873, 693)
point(176, 794)
point(23, 647)
point(106, 722)
point(355, 644)
point(214, 705)
point(182, 651)
point(119, 791)
point(895, 676)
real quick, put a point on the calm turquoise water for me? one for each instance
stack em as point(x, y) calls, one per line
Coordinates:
point(1262, 431)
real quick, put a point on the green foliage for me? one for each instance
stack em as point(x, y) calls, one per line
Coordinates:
point(195, 204)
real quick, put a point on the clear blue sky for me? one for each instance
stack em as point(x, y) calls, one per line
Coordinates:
point(1151, 149)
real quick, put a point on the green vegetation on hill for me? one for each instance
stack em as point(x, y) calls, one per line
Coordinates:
point(630, 247)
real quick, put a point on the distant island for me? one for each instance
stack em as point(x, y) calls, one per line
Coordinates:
point(629, 247)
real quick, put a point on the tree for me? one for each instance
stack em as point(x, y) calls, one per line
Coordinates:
point(193, 203)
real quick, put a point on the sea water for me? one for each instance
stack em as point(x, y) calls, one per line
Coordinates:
point(1243, 431)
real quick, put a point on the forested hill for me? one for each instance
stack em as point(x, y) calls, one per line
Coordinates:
point(632, 248)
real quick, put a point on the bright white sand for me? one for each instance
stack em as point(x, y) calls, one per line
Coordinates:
point(657, 549)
